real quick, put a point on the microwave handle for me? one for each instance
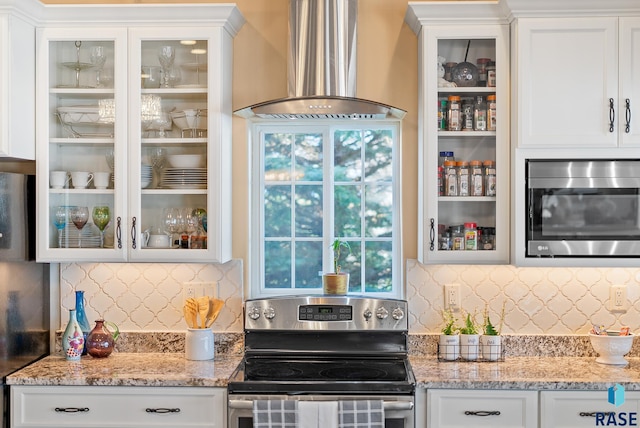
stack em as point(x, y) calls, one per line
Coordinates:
point(388, 405)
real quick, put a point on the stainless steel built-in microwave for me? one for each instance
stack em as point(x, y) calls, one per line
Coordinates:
point(583, 208)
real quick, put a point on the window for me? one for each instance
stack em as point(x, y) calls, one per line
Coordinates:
point(313, 183)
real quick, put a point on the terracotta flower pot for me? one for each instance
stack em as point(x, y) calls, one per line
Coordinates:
point(335, 283)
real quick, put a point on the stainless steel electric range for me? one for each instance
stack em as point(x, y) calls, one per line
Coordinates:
point(328, 348)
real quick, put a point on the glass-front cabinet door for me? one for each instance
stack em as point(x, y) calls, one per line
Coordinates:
point(81, 145)
point(134, 144)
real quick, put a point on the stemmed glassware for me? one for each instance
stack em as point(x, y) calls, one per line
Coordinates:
point(79, 216)
point(60, 222)
point(101, 217)
point(171, 221)
point(158, 159)
point(166, 56)
point(98, 58)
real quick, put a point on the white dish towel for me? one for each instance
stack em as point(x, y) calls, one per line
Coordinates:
point(361, 414)
point(318, 414)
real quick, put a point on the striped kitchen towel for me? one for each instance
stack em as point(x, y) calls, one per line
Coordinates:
point(361, 414)
point(275, 414)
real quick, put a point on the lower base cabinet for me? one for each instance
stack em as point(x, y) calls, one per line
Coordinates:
point(115, 406)
point(448, 408)
point(574, 409)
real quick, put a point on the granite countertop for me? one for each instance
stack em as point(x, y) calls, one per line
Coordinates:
point(128, 369)
point(172, 369)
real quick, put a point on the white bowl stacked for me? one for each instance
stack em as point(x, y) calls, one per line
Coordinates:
point(146, 175)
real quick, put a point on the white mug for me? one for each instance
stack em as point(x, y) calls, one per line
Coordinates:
point(151, 240)
point(199, 344)
point(81, 179)
point(101, 179)
point(58, 179)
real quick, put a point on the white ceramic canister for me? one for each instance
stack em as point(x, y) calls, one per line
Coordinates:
point(199, 344)
point(491, 347)
point(469, 346)
point(449, 346)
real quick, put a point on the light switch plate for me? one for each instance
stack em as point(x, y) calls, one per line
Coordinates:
point(197, 289)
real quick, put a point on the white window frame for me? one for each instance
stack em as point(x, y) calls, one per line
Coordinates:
point(257, 127)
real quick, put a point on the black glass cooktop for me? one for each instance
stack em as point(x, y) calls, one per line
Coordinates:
point(313, 374)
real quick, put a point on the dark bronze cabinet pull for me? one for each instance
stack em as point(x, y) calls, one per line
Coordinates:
point(71, 409)
point(119, 231)
point(612, 114)
point(163, 410)
point(593, 414)
point(627, 115)
point(432, 233)
point(482, 413)
point(133, 233)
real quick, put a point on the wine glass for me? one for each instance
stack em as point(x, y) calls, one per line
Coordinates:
point(98, 58)
point(174, 76)
point(60, 221)
point(79, 216)
point(166, 56)
point(101, 217)
point(158, 159)
point(171, 221)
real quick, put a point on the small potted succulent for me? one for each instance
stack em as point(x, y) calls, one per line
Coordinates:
point(469, 338)
point(491, 341)
point(449, 340)
point(338, 281)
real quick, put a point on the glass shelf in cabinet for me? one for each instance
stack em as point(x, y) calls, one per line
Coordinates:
point(466, 133)
point(466, 198)
point(467, 90)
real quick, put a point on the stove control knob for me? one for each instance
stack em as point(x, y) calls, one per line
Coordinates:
point(382, 313)
point(269, 313)
point(397, 314)
point(254, 313)
point(367, 314)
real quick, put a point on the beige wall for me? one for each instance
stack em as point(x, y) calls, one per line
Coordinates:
point(387, 72)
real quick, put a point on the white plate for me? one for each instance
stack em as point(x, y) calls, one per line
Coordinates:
point(202, 66)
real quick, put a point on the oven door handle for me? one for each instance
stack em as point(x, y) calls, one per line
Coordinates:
point(388, 405)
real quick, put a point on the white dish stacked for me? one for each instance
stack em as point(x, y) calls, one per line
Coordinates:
point(71, 237)
point(185, 178)
point(146, 175)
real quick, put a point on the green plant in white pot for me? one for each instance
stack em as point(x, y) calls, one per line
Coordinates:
point(449, 340)
point(338, 281)
point(491, 341)
point(469, 338)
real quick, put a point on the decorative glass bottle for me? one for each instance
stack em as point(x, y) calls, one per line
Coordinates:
point(82, 317)
point(100, 340)
point(72, 338)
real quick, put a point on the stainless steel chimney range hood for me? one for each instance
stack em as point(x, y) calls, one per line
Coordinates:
point(322, 67)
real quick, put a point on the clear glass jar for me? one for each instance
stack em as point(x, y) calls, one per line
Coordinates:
point(445, 156)
point(489, 168)
point(454, 119)
point(440, 181)
point(467, 114)
point(488, 239)
point(491, 112)
point(463, 178)
point(491, 74)
point(482, 64)
point(470, 236)
point(450, 178)
point(457, 238)
point(480, 114)
point(476, 181)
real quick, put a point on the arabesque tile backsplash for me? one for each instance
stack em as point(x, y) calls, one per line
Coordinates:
point(148, 296)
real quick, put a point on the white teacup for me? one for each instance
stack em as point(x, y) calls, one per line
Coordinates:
point(101, 179)
point(58, 179)
point(81, 179)
point(156, 241)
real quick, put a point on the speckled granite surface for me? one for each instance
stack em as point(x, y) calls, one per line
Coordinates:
point(128, 369)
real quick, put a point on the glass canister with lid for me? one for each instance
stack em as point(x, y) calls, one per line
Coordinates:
point(489, 168)
point(476, 181)
point(463, 178)
point(454, 119)
point(450, 178)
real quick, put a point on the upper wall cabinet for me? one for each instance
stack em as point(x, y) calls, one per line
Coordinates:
point(575, 74)
point(134, 133)
point(463, 131)
point(17, 78)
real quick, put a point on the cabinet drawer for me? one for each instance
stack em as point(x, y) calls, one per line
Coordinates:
point(572, 409)
point(485, 408)
point(103, 406)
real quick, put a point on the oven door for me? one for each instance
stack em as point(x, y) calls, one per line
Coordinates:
point(398, 410)
point(576, 212)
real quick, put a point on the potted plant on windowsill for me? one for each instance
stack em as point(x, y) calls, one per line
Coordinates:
point(336, 282)
point(449, 340)
point(491, 341)
point(469, 338)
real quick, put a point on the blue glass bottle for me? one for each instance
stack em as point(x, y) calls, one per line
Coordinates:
point(82, 318)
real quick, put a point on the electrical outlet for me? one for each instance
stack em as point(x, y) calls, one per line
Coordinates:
point(452, 296)
point(618, 298)
point(197, 289)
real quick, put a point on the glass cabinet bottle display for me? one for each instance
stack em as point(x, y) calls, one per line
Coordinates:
point(134, 150)
point(464, 143)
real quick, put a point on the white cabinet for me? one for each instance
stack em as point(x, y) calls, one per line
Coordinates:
point(573, 409)
point(17, 79)
point(574, 75)
point(115, 119)
point(123, 407)
point(448, 408)
point(485, 34)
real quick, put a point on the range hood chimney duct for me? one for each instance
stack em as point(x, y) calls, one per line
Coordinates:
point(322, 67)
